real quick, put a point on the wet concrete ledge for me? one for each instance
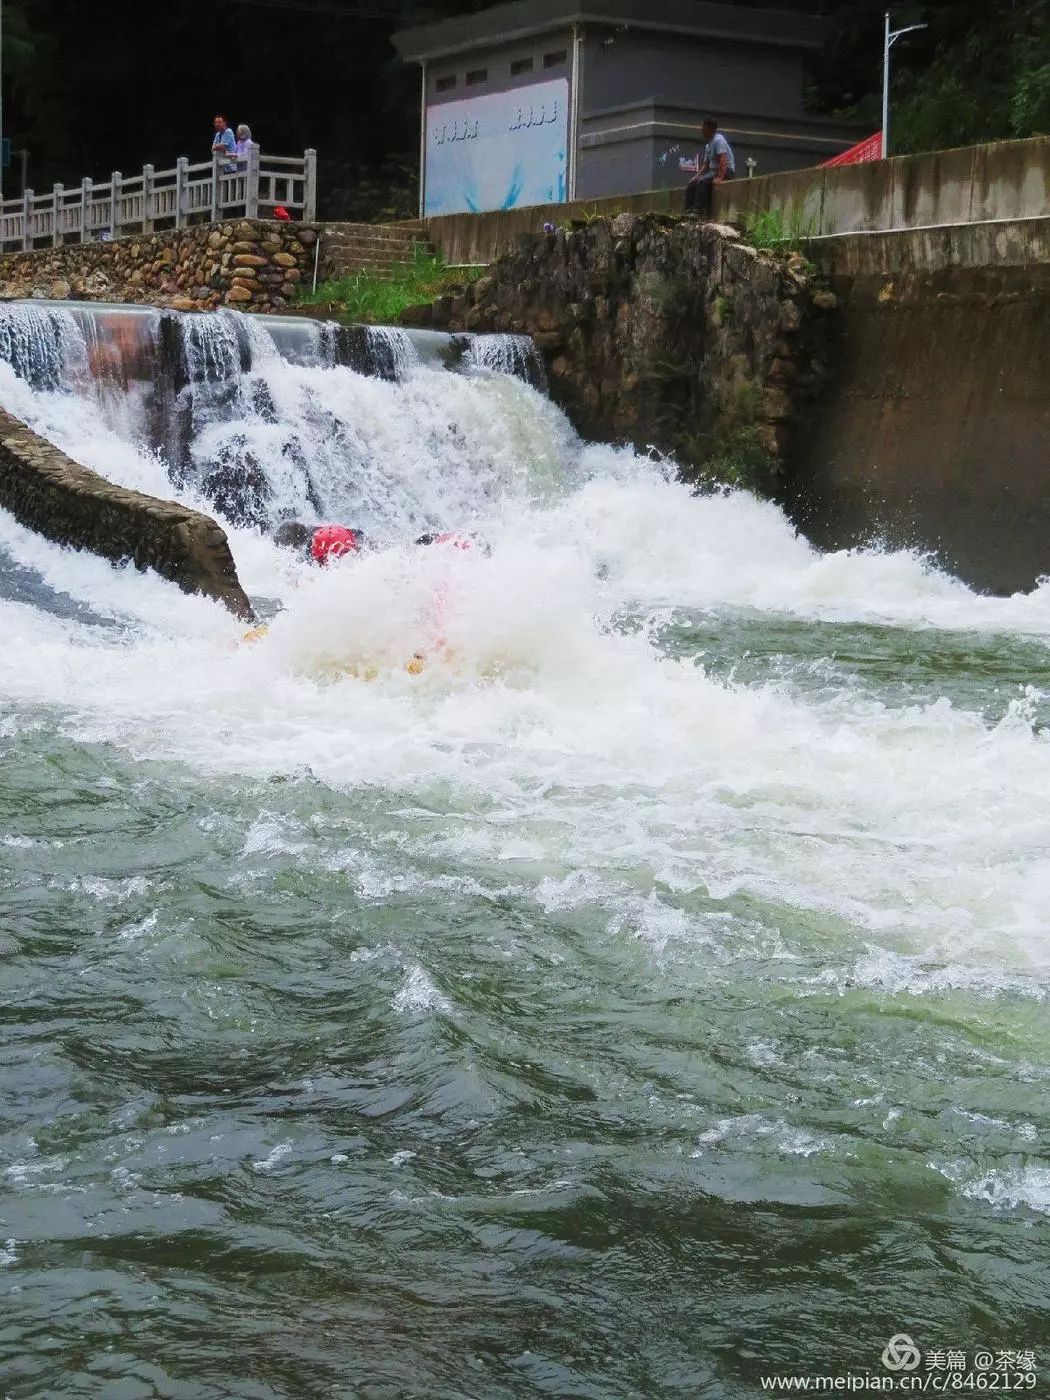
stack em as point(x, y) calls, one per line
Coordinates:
point(72, 505)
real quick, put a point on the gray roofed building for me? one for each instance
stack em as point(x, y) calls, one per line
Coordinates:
point(539, 101)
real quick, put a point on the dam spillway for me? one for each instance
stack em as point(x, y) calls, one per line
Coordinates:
point(649, 994)
point(216, 400)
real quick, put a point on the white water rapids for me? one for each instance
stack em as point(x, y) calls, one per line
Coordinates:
point(565, 748)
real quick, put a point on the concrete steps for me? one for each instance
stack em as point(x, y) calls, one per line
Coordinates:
point(379, 249)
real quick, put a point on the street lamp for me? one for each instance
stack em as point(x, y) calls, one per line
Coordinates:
point(891, 37)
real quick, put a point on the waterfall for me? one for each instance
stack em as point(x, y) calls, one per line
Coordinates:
point(508, 354)
point(262, 419)
point(45, 348)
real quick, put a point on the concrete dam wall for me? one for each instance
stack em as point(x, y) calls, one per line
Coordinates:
point(931, 428)
point(934, 428)
point(996, 182)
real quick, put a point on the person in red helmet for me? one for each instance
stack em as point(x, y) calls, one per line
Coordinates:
point(333, 541)
point(319, 543)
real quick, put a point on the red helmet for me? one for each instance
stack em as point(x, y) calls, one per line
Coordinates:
point(332, 541)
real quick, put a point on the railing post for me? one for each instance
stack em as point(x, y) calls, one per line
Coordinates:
point(58, 193)
point(251, 192)
point(114, 204)
point(147, 199)
point(181, 167)
point(27, 215)
point(215, 189)
point(85, 207)
point(310, 193)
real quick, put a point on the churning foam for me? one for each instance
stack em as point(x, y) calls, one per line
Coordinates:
point(568, 743)
point(433, 449)
point(903, 848)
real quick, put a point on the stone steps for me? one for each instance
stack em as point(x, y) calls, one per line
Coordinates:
point(398, 251)
point(344, 267)
point(369, 269)
point(407, 229)
point(365, 240)
point(363, 254)
point(378, 249)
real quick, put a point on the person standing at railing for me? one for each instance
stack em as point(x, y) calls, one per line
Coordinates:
point(244, 141)
point(224, 144)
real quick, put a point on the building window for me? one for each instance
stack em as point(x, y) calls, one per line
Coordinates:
point(521, 65)
point(445, 84)
point(555, 60)
point(477, 75)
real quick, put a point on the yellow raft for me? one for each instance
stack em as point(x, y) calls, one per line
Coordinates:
point(413, 666)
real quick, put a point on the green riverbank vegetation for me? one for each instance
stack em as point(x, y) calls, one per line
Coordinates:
point(379, 298)
point(778, 231)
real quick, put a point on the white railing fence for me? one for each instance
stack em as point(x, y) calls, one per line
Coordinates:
point(161, 199)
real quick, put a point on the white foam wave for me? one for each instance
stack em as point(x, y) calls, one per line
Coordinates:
point(418, 993)
point(1007, 1189)
point(749, 1129)
point(558, 739)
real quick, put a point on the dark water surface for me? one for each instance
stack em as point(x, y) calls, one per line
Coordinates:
point(299, 1102)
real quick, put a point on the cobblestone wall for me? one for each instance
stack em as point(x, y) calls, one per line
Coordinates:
point(254, 264)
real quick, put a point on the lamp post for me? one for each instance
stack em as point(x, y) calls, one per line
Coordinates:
point(890, 38)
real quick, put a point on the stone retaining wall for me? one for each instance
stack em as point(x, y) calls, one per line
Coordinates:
point(253, 264)
point(662, 332)
point(50, 493)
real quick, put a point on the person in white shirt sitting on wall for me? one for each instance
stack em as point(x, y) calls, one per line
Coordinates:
point(717, 166)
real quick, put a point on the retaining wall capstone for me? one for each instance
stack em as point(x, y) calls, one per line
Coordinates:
point(252, 264)
point(50, 493)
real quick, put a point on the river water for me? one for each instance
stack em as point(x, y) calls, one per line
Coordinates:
point(647, 997)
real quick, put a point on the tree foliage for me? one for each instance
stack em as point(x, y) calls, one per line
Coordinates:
point(92, 89)
point(986, 78)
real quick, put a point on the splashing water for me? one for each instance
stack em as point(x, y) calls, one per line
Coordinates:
point(508, 354)
point(653, 980)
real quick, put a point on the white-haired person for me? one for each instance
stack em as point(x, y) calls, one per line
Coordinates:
point(244, 141)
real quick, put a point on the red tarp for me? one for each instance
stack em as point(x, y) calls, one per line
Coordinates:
point(868, 149)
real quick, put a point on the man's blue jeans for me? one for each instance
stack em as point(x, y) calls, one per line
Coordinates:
point(698, 194)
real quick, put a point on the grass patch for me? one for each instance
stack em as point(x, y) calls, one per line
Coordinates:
point(364, 296)
point(771, 229)
point(591, 216)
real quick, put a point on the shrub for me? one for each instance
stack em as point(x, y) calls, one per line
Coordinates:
point(379, 300)
point(770, 229)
